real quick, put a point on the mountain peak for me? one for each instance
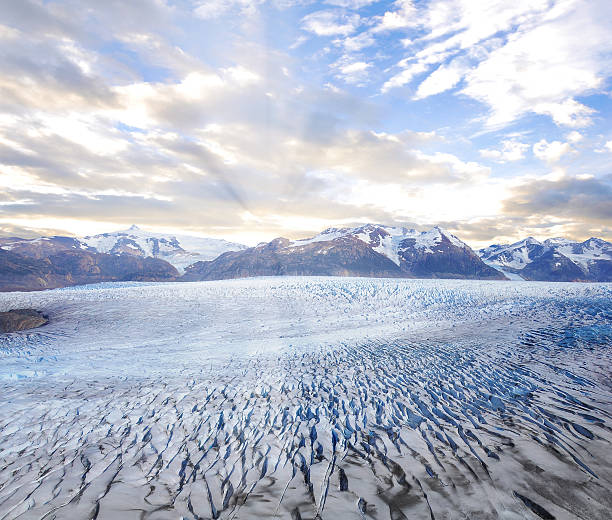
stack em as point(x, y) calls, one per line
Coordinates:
point(133, 227)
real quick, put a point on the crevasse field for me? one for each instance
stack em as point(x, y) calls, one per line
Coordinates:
point(309, 398)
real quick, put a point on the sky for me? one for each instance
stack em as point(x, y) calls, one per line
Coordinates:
point(250, 120)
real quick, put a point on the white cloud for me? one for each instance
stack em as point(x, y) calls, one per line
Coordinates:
point(404, 16)
point(210, 9)
point(511, 150)
point(357, 43)
point(443, 78)
point(241, 76)
point(83, 131)
point(242, 128)
point(404, 77)
point(574, 136)
point(550, 152)
point(461, 169)
point(7, 33)
point(195, 85)
point(351, 4)
point(352, 71)
point(567, 112)
point(330, 23)
point(542, 67)
point(516, 57)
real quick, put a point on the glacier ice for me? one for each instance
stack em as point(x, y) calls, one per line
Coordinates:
point(309, 398)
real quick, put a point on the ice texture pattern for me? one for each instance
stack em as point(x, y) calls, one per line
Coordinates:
point(309, 398)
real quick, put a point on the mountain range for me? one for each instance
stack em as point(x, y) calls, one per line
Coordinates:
point(368, 250)
point(555, 260)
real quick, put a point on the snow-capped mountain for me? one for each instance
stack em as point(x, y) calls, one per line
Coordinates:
point(369, 250)
point(130, 255)
point(389, 241)
point(554, 259)
point(178, 250)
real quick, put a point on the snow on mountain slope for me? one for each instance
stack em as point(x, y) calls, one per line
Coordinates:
point(513, 256)
point(389, 241)
point(591, 259)
point(583, 253)
point(179, 250)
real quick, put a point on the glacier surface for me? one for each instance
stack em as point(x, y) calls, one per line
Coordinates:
point(309, 398)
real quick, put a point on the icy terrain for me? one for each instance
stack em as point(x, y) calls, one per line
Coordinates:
point(309, 398)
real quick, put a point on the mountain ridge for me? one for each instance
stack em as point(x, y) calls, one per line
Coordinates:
point(178, 250)
point(367, 250)
point(553, 259)
point(370, 250)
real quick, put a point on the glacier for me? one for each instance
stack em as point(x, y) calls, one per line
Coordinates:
point(309, 398)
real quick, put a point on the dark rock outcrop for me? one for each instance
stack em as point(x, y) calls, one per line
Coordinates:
point(553, 267)
point(41, 247)
point(446, 261)
point(21, 319)
point(76, 267)
point(345, 256)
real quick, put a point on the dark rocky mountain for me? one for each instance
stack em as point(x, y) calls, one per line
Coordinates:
point(16, 320)
point(344, 256)
point(552, 266)
point(20, 273)
point(555, 260)
point(75, 267)
point(369, 250)
point(41, 247)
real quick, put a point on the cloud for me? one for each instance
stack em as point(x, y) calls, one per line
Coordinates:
point(10, 230)
point(571, 198)
point(404, 77)
point(213, 147)
point(574, 137)
point(352, 71)
point(512, 150)
point(403, 16)
point(542, 67)
point(351, 4)
point(516, 58)
point(443, 78)
point(124, 112)
point(211, 9)
point(356, 43)
point(330, 23)
point(551, 152)
point(484, 231)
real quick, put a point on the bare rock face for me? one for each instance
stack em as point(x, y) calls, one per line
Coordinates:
point(74, 267)
point(343, 256)
point(21, 319)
